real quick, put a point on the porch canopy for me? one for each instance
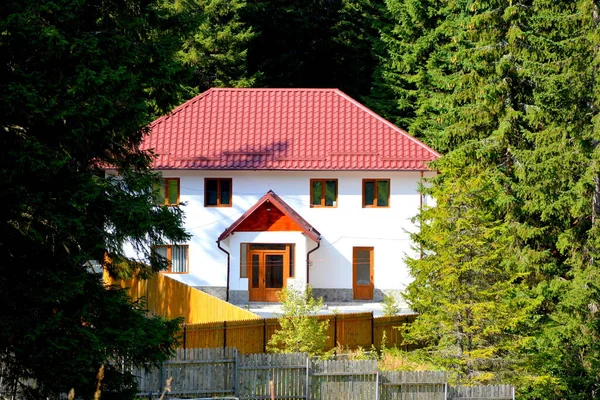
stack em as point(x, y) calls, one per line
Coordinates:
point(271, 213)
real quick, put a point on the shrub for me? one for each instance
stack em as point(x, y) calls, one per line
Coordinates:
point(390, 307)
point(300, 330)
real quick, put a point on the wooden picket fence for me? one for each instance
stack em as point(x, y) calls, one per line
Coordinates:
point(251, 336)
point(225, 372)
point(481, 392)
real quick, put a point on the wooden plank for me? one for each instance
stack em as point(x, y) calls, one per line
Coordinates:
point(332, 379)
point(287, 371)
point(343, 373)
point(268, 217)
point(429, 385)
point(279, 367)
point(171, 299)
point(195, 372)
point(211, 372)
point(354, 330)
point(496, 392)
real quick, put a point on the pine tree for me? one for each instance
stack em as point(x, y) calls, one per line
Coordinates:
point(419, 65)
point(456, 70)
point(470, 296)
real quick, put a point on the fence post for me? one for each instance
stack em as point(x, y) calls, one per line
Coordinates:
point(513, 393)
point(184, 340)
point(235, 372)
point(162, 377)
point(377, 385)
point(335, 341)
point(307, 378)
point(224, 334)
point(372, 328)
point(446, 390)
point(264, 335)
point(406, 344)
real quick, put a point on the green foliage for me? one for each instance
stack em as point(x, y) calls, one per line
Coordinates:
point(394, 359)
point(470, 293)
point(507, 287)
point(558, 181)
point(420, 60)
point(300, 331)
point(390, 306)
point(314, 43)
point(216, 47)
point(80, 82)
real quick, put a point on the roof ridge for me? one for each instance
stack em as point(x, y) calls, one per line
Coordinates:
point(274, 89)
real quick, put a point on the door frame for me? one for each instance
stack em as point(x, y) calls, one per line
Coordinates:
point(263, 293)
point(363, 292)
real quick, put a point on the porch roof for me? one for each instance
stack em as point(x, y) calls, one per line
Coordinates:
point(272, 198)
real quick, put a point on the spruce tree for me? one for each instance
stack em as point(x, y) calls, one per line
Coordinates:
point(416, 55)
point(470, 296)
point(80, 82)
point(518, 109)
point(216, 47)
point(558, 183)
point(457, 74)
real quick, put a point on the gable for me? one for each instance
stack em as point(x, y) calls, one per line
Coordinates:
point(267, 217)
point(281, 129)
point(271, 213)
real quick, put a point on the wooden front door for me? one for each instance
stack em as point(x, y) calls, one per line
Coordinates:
point(362, 273)
point(268, 273)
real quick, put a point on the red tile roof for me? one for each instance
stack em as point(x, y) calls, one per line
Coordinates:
point(272, 198)
point(282, 129)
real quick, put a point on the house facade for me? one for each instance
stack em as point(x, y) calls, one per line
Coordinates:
point(288, 187)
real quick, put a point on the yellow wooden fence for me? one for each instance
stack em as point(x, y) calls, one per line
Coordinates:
point(211, 322)
point(251, 336)
point(171, 299)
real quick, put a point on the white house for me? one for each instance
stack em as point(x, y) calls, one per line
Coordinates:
point(289, 186)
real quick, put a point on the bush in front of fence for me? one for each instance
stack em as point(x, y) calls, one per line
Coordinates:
point(300, 331)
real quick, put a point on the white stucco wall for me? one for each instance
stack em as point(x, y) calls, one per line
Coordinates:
point(343, 227)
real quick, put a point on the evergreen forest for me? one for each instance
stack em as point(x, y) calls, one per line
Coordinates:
point(508, 285)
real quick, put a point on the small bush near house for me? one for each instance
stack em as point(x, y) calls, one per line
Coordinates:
point(390, 306)
point(300, 330)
